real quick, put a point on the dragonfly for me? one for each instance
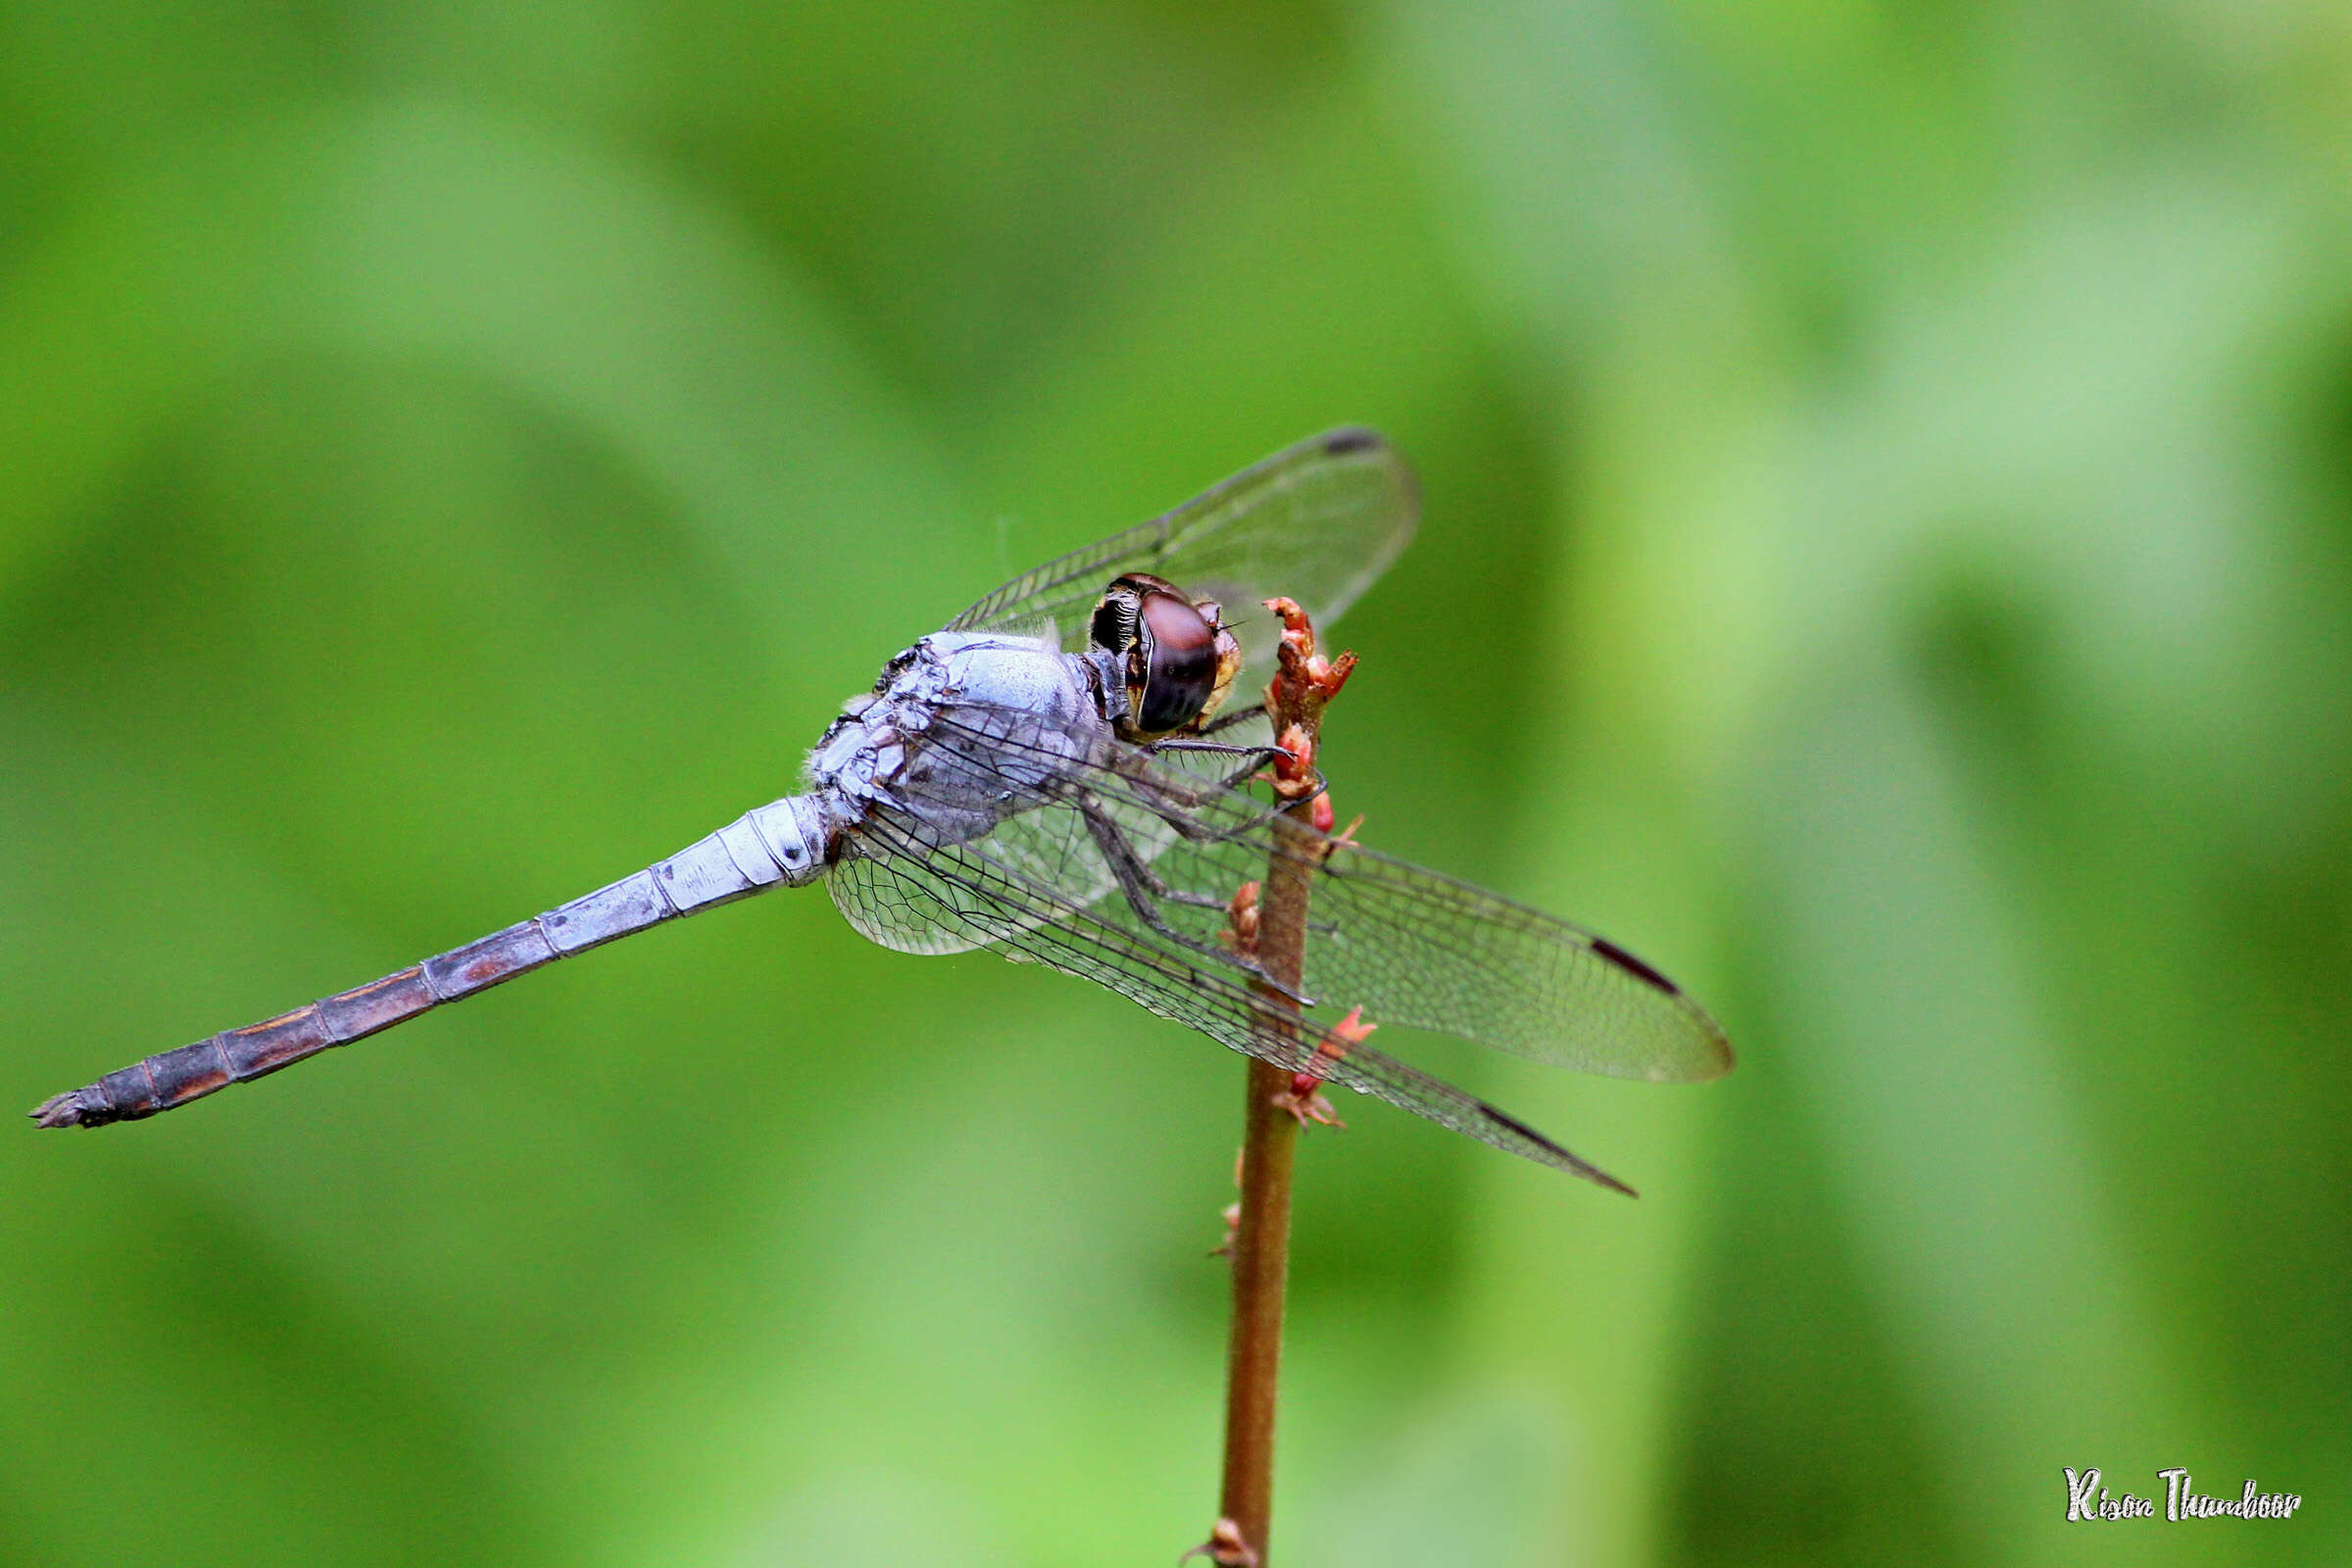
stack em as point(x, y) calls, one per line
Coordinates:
point(1057, 776)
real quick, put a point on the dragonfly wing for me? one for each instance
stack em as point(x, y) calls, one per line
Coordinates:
point(1046, 848)
point(1317, 522)
point(966, 889)
point(1052, 849)
point(1411, 946)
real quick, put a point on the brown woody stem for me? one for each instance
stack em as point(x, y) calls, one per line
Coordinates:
point(1261, 1237)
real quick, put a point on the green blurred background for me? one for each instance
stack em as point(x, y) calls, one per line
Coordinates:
point(1886, 559)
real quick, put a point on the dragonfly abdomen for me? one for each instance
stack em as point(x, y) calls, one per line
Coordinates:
point(234, 1056)
point(780, 845)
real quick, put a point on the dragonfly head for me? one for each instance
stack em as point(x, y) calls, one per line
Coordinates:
point(1167, 655)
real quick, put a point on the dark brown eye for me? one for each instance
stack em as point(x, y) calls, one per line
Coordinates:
point(1177, 651)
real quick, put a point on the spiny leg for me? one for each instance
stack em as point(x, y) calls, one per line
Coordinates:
point(1168, 799)
point(1256, 753)
point(1142, 885)
point(1143, 888)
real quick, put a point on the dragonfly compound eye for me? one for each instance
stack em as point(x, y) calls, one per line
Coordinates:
point(1176, 658)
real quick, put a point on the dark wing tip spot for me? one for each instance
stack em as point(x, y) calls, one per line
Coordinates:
point(1561, 1158)
point(1353, 438)
point(1633, 965)
point(1523, 1130)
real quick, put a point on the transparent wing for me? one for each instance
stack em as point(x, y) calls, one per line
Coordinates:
point(1411, 946)
point(1318, 523)
point(1122, 869)
point(1044, 849)
point(964, 890)
point(1047, 848)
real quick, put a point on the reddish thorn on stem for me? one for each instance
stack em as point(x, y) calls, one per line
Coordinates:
point(1225, 1547)
point(1304, 1098)
point(1303, 681)
point(1240, 929)
point(1233, 1231)
point(1232, 1212)
point(1321, 678)
point(1293, 767)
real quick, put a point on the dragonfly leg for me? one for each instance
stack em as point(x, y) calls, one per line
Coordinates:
point(1173, 803)
point(1144, 889)
point(1200, 746)
point(1124, 861)
point(1142, 886)
point(1256, 753)
point(1253, 758)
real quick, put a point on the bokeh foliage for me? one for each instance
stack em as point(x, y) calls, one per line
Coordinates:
point(1887, 558)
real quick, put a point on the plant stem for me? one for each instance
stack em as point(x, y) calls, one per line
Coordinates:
point(1262, 1265)
point(1261, 1237)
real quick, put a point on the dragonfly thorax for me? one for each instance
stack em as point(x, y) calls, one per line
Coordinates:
point(965, 730)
